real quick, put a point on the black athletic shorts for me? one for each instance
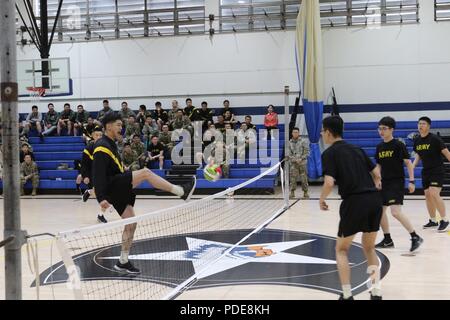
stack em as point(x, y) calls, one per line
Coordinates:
point(120, 191)
point(360, 213)
point(432, 180)
point(393, 192)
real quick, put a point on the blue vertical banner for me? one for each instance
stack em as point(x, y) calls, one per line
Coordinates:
point(310, 74)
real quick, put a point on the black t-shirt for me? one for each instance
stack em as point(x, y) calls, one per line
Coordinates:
point(390, 157)
point(430, 149)
point(350, 167)
point(155, 149)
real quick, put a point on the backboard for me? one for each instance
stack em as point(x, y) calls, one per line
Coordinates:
point(51, 74)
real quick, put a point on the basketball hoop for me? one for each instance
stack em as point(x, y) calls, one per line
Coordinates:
point(36, 93)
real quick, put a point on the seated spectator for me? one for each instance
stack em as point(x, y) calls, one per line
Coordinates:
point(126, 112)
point(245, 138)
point(142, 115)
point(101, 114)
point(189, 109)
point(150, 129)
point(29, 171)
point(120, 143)
point(270, 121)
point(230, 135)
point(139, 148)
point(205, 115)
point(80, 120)
point(220, 124)
point(129, 158)
point(226, 107)
point(155, 153)
point(66, 119)
point(160, 115)
point(248, 122)
point(172, 114)
point(25, 150)
point(1, 161)
point(132, 128)
point(50, 120)
point(218, 155)
point(229, 118)
point(181, 123)
point(165, 137)
point(34, 120)
point(88, 128)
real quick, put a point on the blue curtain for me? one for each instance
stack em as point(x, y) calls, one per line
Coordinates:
point(313, 118)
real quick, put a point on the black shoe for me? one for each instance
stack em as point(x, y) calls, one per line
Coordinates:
point(443, 226)
point(86, 196)
point(102, 218)
point(189, 189)
point(430, 225)
point(126, 267)
point(341, 297)
point(372, 297)
point(415, 243)
point(385, 244)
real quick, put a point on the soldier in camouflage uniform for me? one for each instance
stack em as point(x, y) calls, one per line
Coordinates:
point(29, 171)
point(50, 120)
point(298, 153)
point(181, 123)
point(132, 129)
point(126, 112)
point(130, 158)
point(138, 147)
point(150, 129)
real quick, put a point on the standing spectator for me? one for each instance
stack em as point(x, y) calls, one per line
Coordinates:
point(189, 109)
point(29, 171)
point(161, 116)
point(50, 121)
point(172, 114)
point(132, 128)
point(101, 114)
point(25, 150)
point(66, 119)
point(126, 112)
point(34, 120)
point(80, 120)
point(142, 115)
point(155, 152)
point(205, 115)
point(298, 153)
point(165, 137)
point(270, 121)
point(150, 129)
point(129, 158)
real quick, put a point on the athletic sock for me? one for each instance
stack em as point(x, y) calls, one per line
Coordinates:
point(346, 291)
point(124, 257)
point(376, 291)
point(177, 190)
point(433, 220)
point(414, 234)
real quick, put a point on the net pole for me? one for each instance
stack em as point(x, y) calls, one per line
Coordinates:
point(286, 144)
point(11, 178)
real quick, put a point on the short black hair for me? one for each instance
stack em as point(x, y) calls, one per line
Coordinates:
point(204, 103)
point(335, 125)
point(80, 105)
point(127, 144)
point(188, 99)
point(157, 103)
point(154, 136)
point(132, 116)
point(426, 119)
point(66, 104)
point(295, 128)
point(248, 116)
point(148, 116)
point(388, 122)
point(226, 101)
point(110, 117)
point(34, 107)
point(50, 104)
point(105, 101)
point(124, 102)
point(143, 107)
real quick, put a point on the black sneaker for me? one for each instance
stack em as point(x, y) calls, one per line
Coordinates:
point(385, 244)
point(443, 226)
point(86, 196)
point(415, 243)
point(102, 218)
point(126, 267)
point(430, 225)
point(341, 297)
point(189, 189)
point(372, 297)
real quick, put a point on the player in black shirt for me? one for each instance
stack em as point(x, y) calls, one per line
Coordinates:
point(114, 186)
point(359, 181)
point(390, 156)
point(429, 148)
